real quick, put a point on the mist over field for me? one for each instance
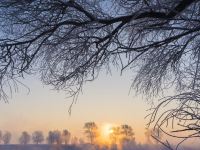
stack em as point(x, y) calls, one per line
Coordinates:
point(84, 147)
point(108, 138)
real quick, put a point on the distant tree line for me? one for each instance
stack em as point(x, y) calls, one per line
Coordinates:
point(37, 137)
point(118, 135)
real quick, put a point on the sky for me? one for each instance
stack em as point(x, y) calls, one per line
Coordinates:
point(107, 100)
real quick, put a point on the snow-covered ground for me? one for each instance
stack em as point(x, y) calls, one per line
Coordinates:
point(81, 147)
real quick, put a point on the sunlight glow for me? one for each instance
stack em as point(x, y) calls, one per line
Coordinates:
point(106, 130)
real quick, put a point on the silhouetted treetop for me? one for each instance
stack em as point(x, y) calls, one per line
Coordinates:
point(69, 42)
point(91, 131)
point(25, 138)
point(6, 137)
point(37, 137)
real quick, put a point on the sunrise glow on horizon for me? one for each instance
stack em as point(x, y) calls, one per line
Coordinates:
point(100, 102)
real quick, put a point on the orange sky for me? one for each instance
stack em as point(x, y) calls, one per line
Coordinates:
point(106, 100)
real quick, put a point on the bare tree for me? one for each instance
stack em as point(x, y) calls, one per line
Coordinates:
point(115, 135)
point(25, 138)
point(127, 139)
point(127, 133)
point(6, 137)
point(70, 42)
point(37, 137)
point(54, 137)
point(66, 135)
point(57, 137)
point(185, 115)
point(91, 131)
point(50, 137)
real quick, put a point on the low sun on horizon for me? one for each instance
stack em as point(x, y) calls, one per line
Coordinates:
point(106, 130)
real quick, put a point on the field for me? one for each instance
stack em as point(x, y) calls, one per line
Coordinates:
point(80, 147)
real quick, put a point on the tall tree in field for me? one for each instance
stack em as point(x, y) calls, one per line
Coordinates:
point(37, 137)
point(25, 138)
point(115, 135)
point(6, 137)
point(127, 132)
point(91, 131)
point(69, 42)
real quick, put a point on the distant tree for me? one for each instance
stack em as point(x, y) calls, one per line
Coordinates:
point(50, 137)
point(57, 137)
point(74, 140)
point(24, 138)
point(91, 131)
point(0, 136)
point(54, 137)
point(37, 137)
point(127, 132)
point(66, 135)
point(6, 137)
point(115, 134)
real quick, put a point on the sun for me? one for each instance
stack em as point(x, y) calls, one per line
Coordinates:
point(106, 130)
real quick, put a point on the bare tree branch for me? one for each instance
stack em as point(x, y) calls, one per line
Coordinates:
point(69, 42)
